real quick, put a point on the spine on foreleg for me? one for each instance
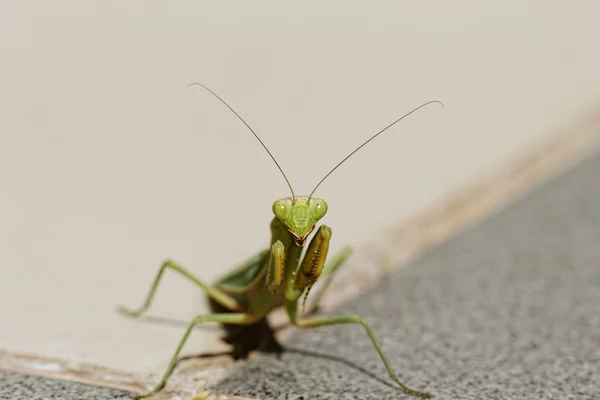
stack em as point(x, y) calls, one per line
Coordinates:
point(314, 260)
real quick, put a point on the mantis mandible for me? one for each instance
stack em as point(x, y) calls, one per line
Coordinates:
point(275, 277)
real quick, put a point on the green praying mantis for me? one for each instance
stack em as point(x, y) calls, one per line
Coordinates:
point(275, 277)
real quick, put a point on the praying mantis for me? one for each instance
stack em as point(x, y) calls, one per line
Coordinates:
point(275, 277)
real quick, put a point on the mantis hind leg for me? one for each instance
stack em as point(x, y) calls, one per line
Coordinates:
point(314, 322)
point(230, 318)
point(215, 294)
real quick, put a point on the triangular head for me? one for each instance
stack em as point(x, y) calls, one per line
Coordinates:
point(299, 215)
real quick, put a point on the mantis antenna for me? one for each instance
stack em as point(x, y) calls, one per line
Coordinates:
point(371, 138)
point(251, 130)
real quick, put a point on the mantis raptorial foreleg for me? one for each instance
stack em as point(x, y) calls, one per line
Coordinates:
point(313, 266)
point(328, 272)
point(314, 322)
point(313, 262)
point(276, 266)
point(233, 318)
point(214, 293)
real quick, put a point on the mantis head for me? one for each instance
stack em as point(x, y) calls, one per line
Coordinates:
point(299, 215)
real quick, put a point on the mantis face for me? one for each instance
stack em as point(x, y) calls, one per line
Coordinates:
point(299, 215)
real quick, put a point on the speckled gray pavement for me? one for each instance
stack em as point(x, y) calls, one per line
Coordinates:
point(26, 387)
point(507, 310)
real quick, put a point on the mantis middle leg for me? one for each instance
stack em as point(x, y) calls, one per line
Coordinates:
point(214, 293)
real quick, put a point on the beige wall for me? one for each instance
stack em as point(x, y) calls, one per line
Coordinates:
point(109, 163)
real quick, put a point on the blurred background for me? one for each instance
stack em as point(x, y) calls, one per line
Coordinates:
point(109, 163)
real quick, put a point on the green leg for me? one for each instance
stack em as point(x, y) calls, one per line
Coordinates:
point(241, 319)
point(214, 293)
point(275, 271)
point(328, 273)
point(312, 264)
point(314, 322)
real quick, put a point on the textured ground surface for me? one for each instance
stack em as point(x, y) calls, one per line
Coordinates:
point(21, 387)
point(507, 310)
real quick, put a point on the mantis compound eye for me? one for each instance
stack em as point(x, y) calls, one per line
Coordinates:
point(318, 208)
point(281, 209)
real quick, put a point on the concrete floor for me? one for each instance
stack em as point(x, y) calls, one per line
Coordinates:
point(26, 387)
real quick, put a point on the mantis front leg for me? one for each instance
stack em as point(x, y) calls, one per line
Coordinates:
point(275, 271)
point(328, 272)
point(313, 262)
